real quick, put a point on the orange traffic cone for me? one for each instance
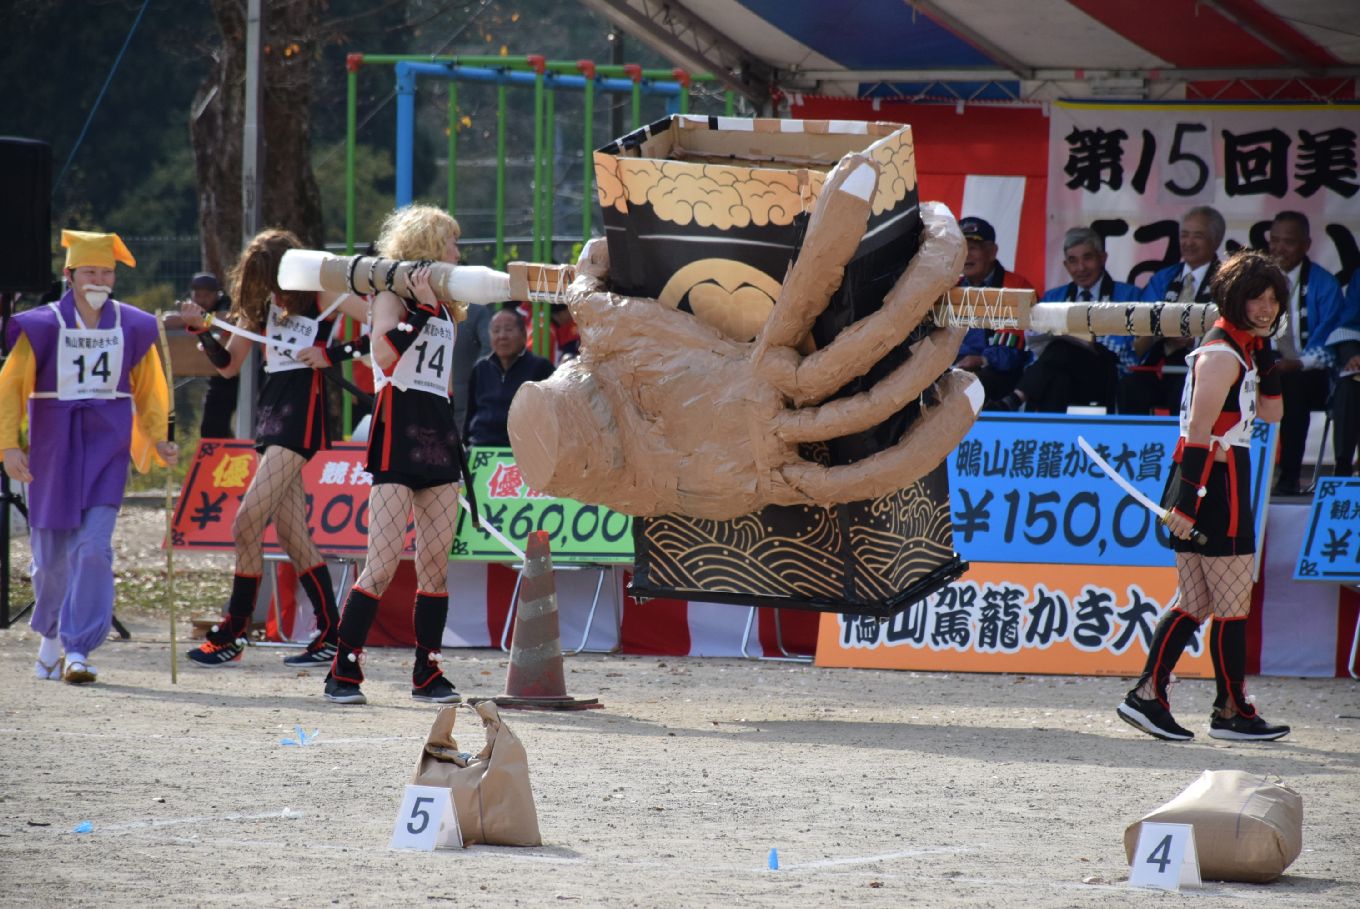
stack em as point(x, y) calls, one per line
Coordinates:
point(535, 679)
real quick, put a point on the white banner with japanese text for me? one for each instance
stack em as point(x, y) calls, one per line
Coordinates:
point(1131, 170)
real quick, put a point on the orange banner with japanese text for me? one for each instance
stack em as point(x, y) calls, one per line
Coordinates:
point(1009, 617)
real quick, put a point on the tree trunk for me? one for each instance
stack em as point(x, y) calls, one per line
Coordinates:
point(290, 199)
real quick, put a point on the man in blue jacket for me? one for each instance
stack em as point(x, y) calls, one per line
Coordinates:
point(1188, 281)
point(1314, 310)
point(496, 377)
point(1076, 369)
point(1344, 342)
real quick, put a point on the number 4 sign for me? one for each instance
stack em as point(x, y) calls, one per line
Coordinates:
point(426, 820)
point(1165, 857)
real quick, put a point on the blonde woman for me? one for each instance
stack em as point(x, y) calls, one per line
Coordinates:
point(291, 425)
point(414, 455)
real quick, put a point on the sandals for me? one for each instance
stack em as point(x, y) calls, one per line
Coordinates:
point(49, 671)
point(79, 672)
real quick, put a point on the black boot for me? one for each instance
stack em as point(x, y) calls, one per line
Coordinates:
point(1153, 715)
point(347, 671)
point(227, 639)
point(316, 581)
point(428, 683)
point(1228, 648)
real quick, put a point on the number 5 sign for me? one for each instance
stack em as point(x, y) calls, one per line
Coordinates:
point(1165, 857)
point(426, 820)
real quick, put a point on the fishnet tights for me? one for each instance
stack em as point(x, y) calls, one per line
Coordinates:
point(1209, 586)
point(276, 492)
point(436, 517)
point(1214, 585)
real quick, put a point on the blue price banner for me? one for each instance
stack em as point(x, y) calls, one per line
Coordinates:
point(1331, 545)
point(1023, 491)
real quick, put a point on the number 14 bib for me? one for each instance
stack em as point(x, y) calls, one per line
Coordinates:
point(425, 364)
point(89, 360)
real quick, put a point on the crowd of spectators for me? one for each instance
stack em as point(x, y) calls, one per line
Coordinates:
point(1319, 339)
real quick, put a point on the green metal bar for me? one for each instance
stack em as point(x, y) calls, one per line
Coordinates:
point(684, 99)
point(452, 204)
point(549, 172)
point(538, 168)
point(731, 105)
point(588, 165)
point(637, 105)
point(500, 176)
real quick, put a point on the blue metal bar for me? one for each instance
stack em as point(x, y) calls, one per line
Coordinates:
point(406, 127)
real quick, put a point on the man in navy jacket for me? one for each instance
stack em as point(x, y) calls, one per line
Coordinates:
point(1313, 311)
point(496, 377)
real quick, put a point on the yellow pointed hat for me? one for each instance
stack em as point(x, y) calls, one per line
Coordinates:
point(87, 248)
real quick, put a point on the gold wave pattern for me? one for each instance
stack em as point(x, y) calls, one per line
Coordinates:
point(745, 557)
point(909, 537)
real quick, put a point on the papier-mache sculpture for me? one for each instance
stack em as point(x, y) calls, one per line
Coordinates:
point(759, 381)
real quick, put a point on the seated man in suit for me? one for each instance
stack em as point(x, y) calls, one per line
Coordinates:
point(1147, 389)
point(1075, 369)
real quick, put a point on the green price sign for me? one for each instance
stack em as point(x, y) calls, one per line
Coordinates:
point(577, 532)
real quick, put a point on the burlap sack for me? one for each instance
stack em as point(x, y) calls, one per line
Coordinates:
point(491, 789)
point(1247, 828)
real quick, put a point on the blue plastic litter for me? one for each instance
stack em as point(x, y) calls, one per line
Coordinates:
point(83, 827)
point(774, 859)
point(302, 737)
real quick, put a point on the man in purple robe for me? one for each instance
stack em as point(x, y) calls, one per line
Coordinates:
point(96, 396)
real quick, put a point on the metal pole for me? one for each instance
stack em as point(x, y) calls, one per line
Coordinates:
point(538, 168)
point(500, 175)
point(252, 184)
point(587, 160)
point(406, 126)
point(453, 147)
point(549, 172)
point(351, 120)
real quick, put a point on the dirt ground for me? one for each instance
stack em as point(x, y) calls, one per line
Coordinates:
point(876, 788)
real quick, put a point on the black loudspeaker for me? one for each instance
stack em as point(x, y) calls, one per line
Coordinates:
point(25, 215)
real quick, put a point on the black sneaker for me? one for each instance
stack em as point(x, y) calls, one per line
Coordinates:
point(342, 692)
point(1245, 729)
point(1151, 717)
point(318, 653)
point(211, 655)
point(437, 690)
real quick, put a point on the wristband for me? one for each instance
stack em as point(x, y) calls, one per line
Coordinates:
point(1268, 377)
point(404, 335)
point(347, 350)
point(217, 355)
point(1195, 466)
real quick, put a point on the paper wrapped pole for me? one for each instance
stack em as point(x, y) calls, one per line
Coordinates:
point(304, 269)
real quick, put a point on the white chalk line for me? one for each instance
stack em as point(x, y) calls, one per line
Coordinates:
point(272, 740)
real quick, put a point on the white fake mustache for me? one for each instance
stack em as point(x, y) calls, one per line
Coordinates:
point(96, 295)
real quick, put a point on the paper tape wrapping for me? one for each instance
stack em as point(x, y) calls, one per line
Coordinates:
point(310, 270)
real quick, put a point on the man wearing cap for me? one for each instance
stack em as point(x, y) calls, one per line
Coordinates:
point(997, 356)
point(219, 404)
point(88, 369)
